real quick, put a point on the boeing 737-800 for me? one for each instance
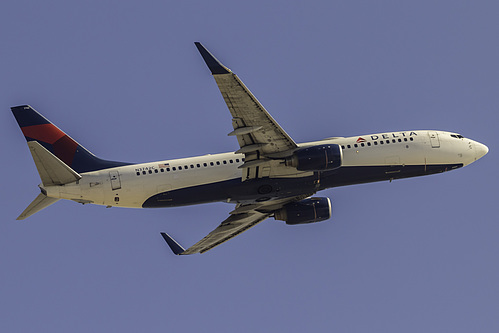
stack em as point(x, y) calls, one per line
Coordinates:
point(269, 176)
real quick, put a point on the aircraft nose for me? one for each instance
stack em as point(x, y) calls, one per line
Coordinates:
point(480, 150)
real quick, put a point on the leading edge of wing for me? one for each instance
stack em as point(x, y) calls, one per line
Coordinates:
point(213, 64)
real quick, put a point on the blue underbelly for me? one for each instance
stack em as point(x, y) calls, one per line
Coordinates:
point(264, 189)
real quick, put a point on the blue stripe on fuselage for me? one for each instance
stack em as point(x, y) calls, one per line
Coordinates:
point(271, 188)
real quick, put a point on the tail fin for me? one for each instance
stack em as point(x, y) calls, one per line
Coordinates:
point(37, 128)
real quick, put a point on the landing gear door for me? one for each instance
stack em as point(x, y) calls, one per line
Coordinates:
point(115, 180)
point(434, 140)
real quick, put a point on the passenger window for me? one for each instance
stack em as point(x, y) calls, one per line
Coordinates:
point(349, 146)
point(198, 165)
point(156, 171)
point(211, 163)
point(369, 144)
point(375, 143)
point(387, 141)
point(394, 141)
point(362, 144)
point(231, 161)
point(168, 169)
point(186, 167)
point(225, 162)
point(180, 167)
point(342, 147)
point(143, 172)
point(138, 173)
point(192, 166)
point(405, 139)
point(162, 170)
point(205, 165)
point(400, 140)
point(355, 145)
point(150, 171)
point(174, 169)
point(412, 139)
point(218, 163)
point(237, 160)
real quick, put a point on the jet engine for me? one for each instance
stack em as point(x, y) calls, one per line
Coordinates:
point(316, 158)
point(309, 210)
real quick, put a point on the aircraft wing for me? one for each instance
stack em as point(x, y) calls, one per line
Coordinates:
point(241, 219)
point(231, 227)
point(258, 134)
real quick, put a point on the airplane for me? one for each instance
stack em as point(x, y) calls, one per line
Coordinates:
point(270, 175)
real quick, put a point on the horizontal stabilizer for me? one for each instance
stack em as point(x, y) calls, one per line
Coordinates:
point(41, 202)
point(52, 170)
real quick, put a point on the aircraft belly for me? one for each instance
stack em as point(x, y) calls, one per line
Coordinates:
point(351, 175)
point(234, 190)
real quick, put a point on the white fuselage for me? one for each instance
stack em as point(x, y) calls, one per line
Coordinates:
point(132, 185)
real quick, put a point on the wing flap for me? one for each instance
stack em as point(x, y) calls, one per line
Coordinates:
point(248, 112)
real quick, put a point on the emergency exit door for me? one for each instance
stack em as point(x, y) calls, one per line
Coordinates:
point(115, 180)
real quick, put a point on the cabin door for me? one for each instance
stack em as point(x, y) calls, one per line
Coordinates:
point(434, 140)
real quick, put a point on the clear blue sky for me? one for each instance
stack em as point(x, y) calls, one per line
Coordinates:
point(125, 79)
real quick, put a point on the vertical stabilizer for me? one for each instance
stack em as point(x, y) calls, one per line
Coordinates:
point(36, 127)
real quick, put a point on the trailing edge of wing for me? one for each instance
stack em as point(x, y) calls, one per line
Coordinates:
point(213, 64)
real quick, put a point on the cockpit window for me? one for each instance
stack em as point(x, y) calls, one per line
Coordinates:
point(457, 136)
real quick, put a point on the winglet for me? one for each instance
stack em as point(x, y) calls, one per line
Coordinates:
point(174, 246)
point(213, 64)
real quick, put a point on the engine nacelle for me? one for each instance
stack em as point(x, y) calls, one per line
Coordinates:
point(305, 211)
point(316, 158)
